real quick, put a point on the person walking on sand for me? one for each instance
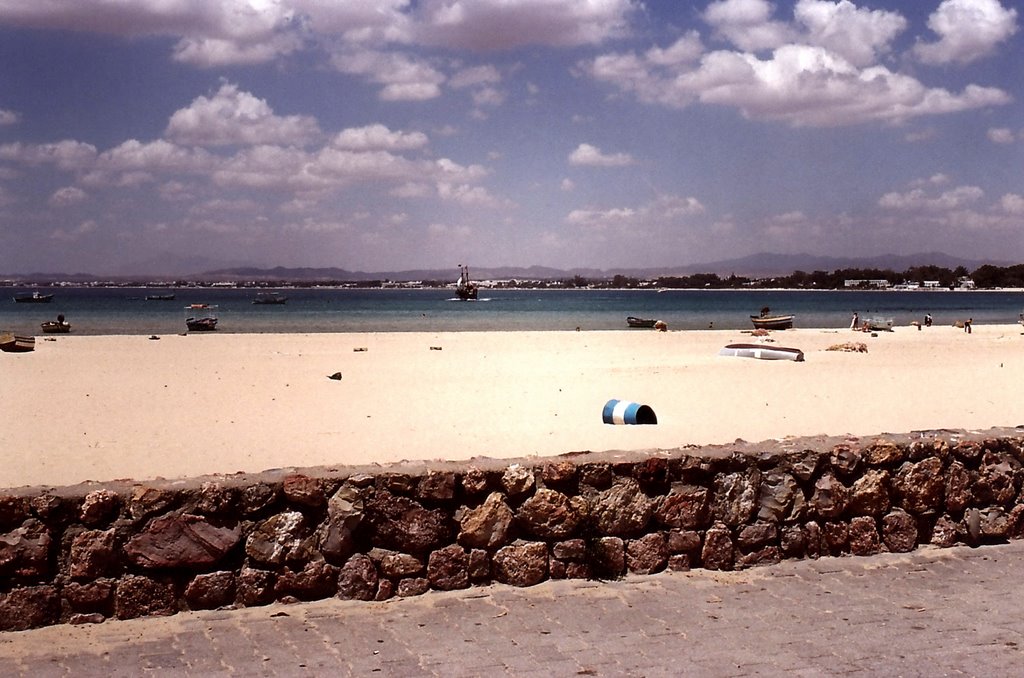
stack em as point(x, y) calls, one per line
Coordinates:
point(967, 325)
point(856, 319)
point(927, 319)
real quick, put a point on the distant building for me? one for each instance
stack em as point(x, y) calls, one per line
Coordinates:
point(965, 283)
point(875, 284)
point(931, 284)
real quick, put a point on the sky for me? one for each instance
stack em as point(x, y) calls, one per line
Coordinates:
point(156, 136)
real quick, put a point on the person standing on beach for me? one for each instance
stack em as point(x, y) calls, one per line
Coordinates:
point(856, 319)
point(927, 319)
point(967, 325)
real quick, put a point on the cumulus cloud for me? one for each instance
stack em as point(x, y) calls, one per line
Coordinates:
point(1003, 135)
point(823, 69)
point(65, 155)
point(68, 195)
point(378, 137)
point(8, 117)
point(665, 211)
point(403, 77)
point(591, 156)
point(747, 24)
point(232, 117)
point(76, 233)
point(489, 25)
point(967, 30)
point(1011, 203)
point(920, 199)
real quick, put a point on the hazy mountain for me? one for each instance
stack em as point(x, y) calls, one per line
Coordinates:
point(762, 265)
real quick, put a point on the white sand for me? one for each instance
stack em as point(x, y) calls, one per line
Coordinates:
point(110, 407)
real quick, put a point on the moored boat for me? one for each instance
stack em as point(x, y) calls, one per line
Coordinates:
point(159, 297)
point(33, 298)
point(762, 352)
point(767, 321)
point(201, 317)
point(269, 298)
point(633, 321)
point(58, 326)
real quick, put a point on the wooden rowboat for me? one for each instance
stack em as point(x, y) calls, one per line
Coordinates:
point(633, 321)
point(16, 343)
point(772, 322)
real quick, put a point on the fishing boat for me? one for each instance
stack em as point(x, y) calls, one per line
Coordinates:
point(269, 298)
point(201, 317)
point(633, 321)
point(16, 343)
point(464, 289)
point(159, 297)
point(762, 352)
point(58, 326)
point(767, 321)
point(33, 298)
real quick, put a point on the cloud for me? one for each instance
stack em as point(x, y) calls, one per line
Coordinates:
point(68, 195)
point(968, 30)
point(494, 25)
point(1003, 135)
point(918, 199)
point(234, 117)
point(747, 24)
point(822, 69)
point(1011, 203)
point(9, 117)
point(76, 233)
point(378, 137)
point(404, 78)
point(591, 156)
point(665, 212)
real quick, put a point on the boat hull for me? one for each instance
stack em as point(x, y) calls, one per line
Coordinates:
point(762, 352)
point(55, 327)
point(640, 322)
point(15, 343)
point(777, 322)
point(33, 298)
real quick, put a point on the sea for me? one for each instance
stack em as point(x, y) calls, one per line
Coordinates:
point(123, 310)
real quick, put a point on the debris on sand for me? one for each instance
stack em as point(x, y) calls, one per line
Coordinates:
point(849, 347)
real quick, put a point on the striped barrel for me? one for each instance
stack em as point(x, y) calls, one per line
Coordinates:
point(626, 412)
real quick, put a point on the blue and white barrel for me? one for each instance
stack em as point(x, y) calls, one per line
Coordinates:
point(626, 412)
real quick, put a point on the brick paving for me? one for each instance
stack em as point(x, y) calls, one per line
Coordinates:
point(951, 612)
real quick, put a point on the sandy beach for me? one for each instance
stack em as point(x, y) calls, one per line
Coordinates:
point(115, 407)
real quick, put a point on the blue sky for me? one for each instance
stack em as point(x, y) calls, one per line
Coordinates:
point(152, 135)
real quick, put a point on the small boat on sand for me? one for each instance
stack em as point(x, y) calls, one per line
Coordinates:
point(762, 352)
point(767, 321)
point(633, 321)
point(16, 343)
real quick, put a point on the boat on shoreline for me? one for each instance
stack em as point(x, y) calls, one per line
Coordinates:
point(16, 343)
point(633, 321)
point(201, 317)
point(466, 290)
point(767, 321)
point(33, 298)
point(58, 326)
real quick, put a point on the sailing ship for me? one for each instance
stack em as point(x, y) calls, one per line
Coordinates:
point(464, 289)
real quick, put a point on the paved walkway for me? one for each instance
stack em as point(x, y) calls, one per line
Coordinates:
point(950, 612)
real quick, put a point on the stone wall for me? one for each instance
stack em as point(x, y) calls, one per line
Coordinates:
point(90, 552)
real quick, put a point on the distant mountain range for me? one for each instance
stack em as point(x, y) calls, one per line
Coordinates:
point(762, 265)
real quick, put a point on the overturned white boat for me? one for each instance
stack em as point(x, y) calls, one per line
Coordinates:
point(763, 352)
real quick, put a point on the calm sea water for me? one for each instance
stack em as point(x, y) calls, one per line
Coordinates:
point(126, 310)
